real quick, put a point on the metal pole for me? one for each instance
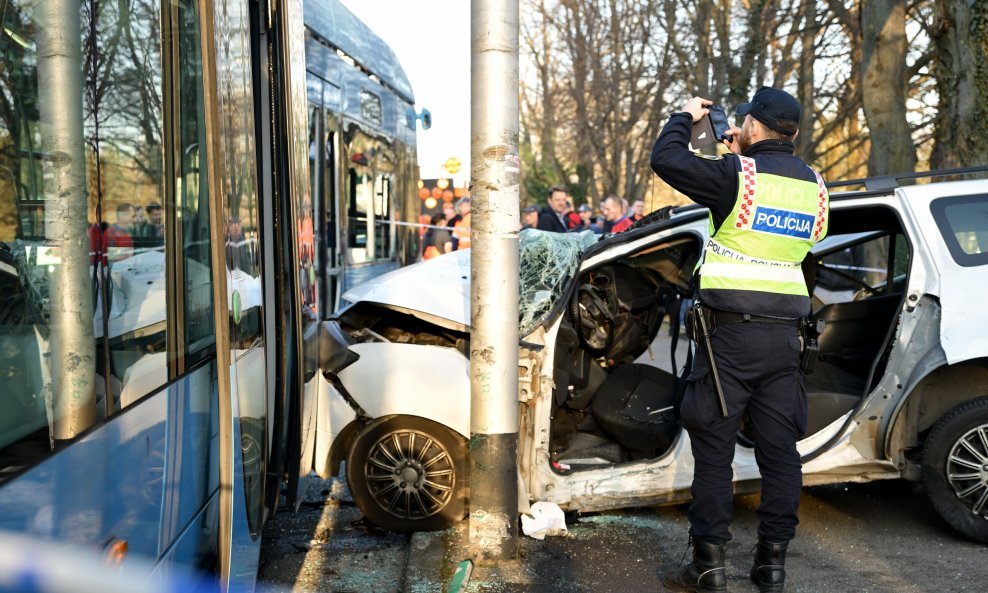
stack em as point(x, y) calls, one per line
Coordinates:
point(73, 345)
point(494, 280)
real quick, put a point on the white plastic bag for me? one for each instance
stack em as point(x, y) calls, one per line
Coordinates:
point(547, 519)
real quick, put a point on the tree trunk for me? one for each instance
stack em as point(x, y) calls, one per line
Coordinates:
point(883, 45)
point(960, 35)
point(547, 140)
point(804, 93)
point(703, 50)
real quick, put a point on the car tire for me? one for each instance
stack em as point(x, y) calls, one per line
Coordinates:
point(955, 468)
point(408, 474)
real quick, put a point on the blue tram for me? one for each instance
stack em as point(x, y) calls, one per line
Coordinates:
point(169, 187)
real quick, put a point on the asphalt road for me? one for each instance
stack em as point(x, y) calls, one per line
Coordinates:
point(866, 538)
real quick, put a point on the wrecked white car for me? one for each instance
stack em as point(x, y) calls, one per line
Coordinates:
point(900, 389)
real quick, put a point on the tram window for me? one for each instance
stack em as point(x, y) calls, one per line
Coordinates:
point(361, 190)
point(382, 214)
point(191, 195)
point(329, 194)
point(81, 277)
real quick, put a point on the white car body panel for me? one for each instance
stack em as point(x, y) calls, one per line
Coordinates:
point(333, 415)
point(962, 326)
point(389, 379)
point(697, 226)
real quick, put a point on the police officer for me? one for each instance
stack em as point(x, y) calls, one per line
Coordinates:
point(766, 209)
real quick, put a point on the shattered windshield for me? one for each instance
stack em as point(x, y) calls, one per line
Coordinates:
point(548, 261)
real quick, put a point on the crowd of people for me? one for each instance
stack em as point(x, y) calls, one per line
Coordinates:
point(449, 230)
point(559, 216)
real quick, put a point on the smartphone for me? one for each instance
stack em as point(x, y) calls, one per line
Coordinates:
point(718, 120)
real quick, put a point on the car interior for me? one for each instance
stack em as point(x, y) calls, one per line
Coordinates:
point(621, 352)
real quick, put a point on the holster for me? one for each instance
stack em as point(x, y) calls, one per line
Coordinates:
point(692, 324)
point(809, 334)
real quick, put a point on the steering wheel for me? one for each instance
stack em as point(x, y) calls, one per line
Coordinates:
point(593, 319)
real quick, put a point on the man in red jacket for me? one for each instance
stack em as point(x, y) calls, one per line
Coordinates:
point(614, 209)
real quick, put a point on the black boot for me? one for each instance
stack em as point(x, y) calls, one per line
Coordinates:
point(769, 570)
point(705, 574)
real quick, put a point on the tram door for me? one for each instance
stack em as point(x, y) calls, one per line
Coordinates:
point(239, 188)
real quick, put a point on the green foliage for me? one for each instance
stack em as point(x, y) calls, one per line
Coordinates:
point(538, 176)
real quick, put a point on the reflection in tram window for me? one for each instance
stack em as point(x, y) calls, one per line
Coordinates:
point(361, 190)
point(370, 107)
point(307, 256)
point(328, 259)
point(382, 216)
point(83, 276)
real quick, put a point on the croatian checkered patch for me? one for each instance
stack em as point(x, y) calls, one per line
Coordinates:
point(822, 207)
point(746, 211)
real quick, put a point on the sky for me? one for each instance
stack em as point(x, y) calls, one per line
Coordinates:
point(432, 41)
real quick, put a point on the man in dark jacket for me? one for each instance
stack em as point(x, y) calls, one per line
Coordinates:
point(767, 208)
point(551, 215)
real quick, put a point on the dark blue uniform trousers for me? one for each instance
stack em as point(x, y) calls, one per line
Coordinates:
point(758, 364)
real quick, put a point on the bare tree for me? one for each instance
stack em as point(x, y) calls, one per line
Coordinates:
point(606, 73)
point(603, 70)
point(883, 52)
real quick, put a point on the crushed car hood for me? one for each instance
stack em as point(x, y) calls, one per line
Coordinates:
point(440, 287)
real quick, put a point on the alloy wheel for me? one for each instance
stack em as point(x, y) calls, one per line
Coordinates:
point(410, 474)
point(967, 470)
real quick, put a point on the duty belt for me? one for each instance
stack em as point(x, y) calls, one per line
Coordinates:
point(728, 317)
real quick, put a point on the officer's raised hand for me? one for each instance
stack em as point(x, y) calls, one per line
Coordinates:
point(732, 144)
point(697, 107)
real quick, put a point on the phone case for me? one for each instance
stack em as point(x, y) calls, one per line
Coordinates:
point(703, 133)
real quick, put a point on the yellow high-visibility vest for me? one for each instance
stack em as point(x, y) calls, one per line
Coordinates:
point(760, 246)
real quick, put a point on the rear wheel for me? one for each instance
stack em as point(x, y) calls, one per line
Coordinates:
point(956, 468)
point(408, 474)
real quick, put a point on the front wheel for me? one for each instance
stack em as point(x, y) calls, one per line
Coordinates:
point(955, 466)
point(408, 474)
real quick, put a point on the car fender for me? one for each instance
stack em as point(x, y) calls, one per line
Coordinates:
point(333, 415)
point(410, 379)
